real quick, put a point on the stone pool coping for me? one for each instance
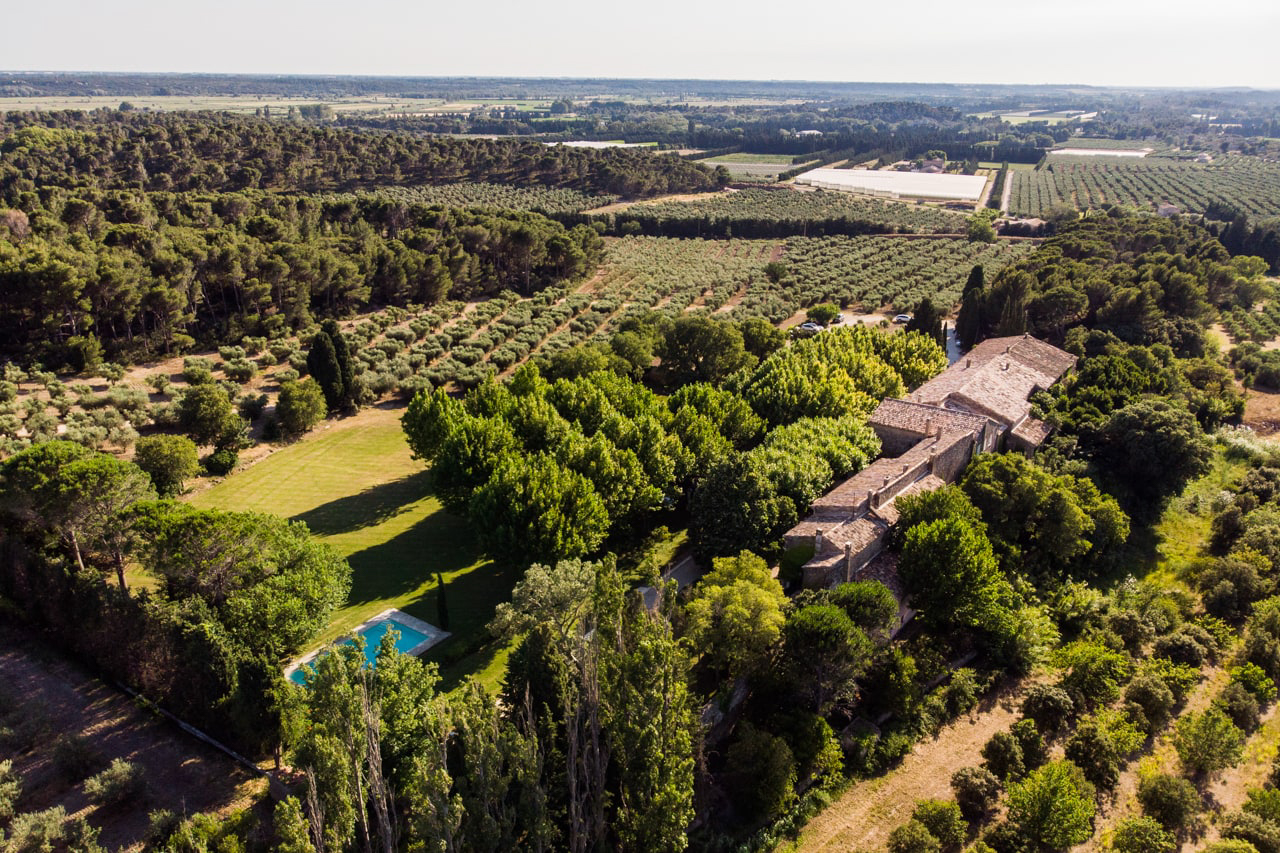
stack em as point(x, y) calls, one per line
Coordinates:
point(433, 635)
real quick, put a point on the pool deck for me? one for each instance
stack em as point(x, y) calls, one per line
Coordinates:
point(431, 632)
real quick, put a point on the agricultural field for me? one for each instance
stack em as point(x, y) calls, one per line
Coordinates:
point(798, 209)
point(1250, 184)
point(500, 197)
point(1107, 144)
point(454, 344)
point(743, 166)
point(887, 274)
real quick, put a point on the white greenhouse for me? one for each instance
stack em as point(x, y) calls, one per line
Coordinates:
point(897, 184)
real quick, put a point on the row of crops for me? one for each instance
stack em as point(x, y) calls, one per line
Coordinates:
point(875, 273)
point(726, 277)
point(760, 212)
point(1249, 184)
point(1260, 326)
point(500, 197)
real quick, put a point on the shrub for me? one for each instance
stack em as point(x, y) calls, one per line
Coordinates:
point(169, 460)
point(120, 782)
point(10, 790)
point(1265, 803)
point(299, 407)
point(37, 832)
point(913, 837)
point(1251, 677)
point(1242, 826)
point(1152, 699)
point(1240, 706)
point(1050, 707)
point(943, 820)
point(221, 462)
point(1030, 742)
point(1231, 845)
point(251, 407)
point(1170, 800)
point(976, 789)
point(1054, 806)
point(762, 772)
point(74, 757)
point(1002, 755)
point(1142, 835)
point(1208, 742)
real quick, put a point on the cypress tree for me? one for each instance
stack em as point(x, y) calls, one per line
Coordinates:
point(322, 364)
point(977, 280)
point(969, 320)
point(928, 319)
point(342, 353)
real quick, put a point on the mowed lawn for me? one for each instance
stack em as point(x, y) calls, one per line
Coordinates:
point(354, 484)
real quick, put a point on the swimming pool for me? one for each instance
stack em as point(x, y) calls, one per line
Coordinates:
point(414, 637)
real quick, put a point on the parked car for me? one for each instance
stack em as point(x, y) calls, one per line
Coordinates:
point(902, 319)
point(806, 330)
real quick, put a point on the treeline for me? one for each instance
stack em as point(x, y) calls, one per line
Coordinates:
point(554, 469)
point(1142, 278)
point(139, 273)
point(1242, 236)
point(238, 594)
point(109, 149)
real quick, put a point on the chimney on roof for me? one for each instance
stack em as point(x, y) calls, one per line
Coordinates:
point(904, 467)
point(928, 426)
point(817, 542)
point(1006, 349)
point(848, 561)
point(968, 362)
point(1004, 365)
point(1026, 335)
point(886, 481)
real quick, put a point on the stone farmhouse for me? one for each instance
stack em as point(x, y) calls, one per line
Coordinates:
point(979, 404)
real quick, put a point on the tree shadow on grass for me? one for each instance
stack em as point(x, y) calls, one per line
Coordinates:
point(407, 564)
point(371, 507)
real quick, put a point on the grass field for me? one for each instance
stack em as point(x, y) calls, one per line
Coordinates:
point(354, 484)
point(744, 157)
point(1013, 167)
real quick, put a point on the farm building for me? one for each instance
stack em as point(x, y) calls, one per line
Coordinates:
point(910, 185)
point(978, 405)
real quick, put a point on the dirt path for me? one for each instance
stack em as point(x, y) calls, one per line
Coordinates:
point(183, 775)
point(866, 813)
point(1008, 191)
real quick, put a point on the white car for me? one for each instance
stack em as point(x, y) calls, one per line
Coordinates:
point(902, 318)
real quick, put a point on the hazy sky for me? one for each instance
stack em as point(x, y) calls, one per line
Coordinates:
point(1133, 42)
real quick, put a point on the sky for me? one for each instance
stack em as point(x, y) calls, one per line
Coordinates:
point(1098, 42)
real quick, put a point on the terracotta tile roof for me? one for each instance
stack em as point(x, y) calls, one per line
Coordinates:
point(922, 418)
point(996, 378)
point(1032, 431)
point(888, 513)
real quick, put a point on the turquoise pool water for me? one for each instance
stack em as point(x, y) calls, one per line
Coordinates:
point(408, 639)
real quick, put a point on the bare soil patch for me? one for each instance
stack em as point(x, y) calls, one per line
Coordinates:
point(1262, 411)
point(183, 775)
